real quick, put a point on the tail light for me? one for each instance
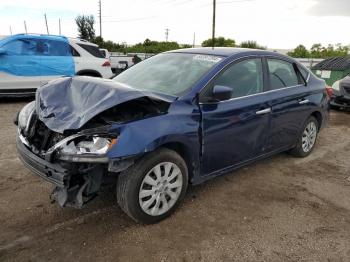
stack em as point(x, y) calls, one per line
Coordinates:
point(107, 63)
point(329, 91)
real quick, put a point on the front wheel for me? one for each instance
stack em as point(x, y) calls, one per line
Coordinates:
point(153, 188)
point(307, 139)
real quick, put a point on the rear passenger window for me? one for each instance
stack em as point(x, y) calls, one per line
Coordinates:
point(48, 47)
point(245, 78)
point(281, 74)
point(93, 50)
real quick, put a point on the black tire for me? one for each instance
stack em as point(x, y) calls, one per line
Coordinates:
point(91, 75)
point(130, 182)
point(298, 150)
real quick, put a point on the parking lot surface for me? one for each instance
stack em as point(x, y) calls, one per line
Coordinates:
point(279, 209)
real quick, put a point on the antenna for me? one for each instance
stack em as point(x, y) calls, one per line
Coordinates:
point(25, 27)
point(59, 26)
point(47, 27)
point(10, 30)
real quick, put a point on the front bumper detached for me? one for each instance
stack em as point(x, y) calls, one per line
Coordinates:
point(53, 173)
point(73, 186)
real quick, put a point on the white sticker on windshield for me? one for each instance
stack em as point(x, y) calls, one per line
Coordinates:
point(207, 58)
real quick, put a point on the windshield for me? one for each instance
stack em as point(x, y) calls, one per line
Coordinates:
point(169, 73)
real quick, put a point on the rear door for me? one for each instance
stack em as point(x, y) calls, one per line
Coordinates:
point(235, 130)
point(289, 103)
point(20, 65)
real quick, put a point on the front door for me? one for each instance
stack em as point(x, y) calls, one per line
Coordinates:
point(19, 65)
point(235, 130)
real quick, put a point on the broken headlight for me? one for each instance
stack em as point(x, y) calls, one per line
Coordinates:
point(86, 149)
point(24, 115)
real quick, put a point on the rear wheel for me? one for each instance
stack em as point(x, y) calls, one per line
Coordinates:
point(153, 188)
point(307, 139)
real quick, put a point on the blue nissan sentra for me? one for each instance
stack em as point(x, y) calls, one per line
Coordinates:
point(179, 117)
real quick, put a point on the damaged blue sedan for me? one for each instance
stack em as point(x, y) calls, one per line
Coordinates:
point(178, 118)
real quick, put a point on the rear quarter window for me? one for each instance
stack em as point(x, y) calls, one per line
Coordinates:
point(92, 50)
point(281, 74)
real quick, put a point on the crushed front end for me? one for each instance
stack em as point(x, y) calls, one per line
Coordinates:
point(70, 139)
point(76, 163)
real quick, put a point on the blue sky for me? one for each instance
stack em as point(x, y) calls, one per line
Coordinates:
point(274, 23)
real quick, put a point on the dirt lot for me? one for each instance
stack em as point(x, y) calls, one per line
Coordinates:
point(280, 209)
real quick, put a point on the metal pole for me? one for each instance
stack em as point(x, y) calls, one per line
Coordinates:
point(100, 15)
point(166, 34)
point(10, 30)
point(47, 27)
point(25, 27)
point(59, 26)
point(214, 11)
point(194, 39)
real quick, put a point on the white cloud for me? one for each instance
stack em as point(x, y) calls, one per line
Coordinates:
point(273, 23)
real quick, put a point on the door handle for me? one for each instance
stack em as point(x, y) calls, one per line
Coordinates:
point(303, 102)
point(264, 111)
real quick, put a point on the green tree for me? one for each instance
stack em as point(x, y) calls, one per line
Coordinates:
point(155, 47)
point(300, 52)
point(86, 27)
point(220, 41)
point(251, 44)
point(186, 46)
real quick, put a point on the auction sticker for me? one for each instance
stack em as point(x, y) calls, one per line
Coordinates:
point(207, 58)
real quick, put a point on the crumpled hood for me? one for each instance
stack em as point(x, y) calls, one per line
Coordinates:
point(69, 102)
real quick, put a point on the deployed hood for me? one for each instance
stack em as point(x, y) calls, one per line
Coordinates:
point(69, 102)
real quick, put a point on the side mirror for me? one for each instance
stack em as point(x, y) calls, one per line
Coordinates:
point(222, 93)
point(3, 51)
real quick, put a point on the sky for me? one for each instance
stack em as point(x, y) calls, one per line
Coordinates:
point(277, 24)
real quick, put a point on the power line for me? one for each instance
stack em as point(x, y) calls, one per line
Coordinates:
point(130, 20)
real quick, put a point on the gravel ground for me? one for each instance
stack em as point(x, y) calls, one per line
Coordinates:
point(279, 209)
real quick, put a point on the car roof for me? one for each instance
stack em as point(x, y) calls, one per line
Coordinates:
point(35, 36)
point(224, 51)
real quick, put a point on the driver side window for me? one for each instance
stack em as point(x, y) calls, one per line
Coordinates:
point(244, 78)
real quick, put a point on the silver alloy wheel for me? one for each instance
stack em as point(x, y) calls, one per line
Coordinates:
point(309, 137)
point(160, 189)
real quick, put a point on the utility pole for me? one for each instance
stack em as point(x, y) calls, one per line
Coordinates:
point(194, 39)
point(10, 30)
point(214, 11)
point(25, 27)
point(47, 27)
point(100, 16)
point(59, 26)
point(166, 34)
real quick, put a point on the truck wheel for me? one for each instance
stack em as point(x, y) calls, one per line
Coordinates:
point(307, 139)
point(153, 187)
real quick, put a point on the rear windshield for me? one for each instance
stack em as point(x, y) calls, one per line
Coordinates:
point(93, 50)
